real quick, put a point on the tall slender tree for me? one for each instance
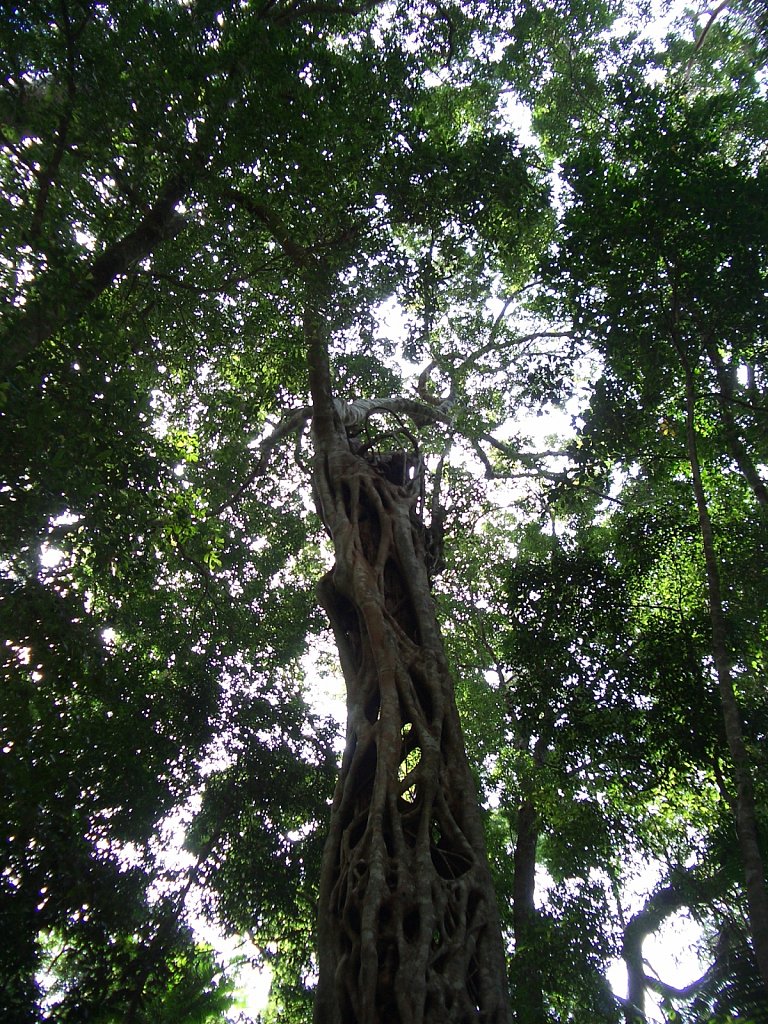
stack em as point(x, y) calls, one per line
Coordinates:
point(681, 211)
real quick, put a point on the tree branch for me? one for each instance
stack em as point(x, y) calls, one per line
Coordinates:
point(297, 254)
point(349, 414)
point(64, 292)
point(522, 340)
point(291, 423)
point(688, 992)
point(33, 324)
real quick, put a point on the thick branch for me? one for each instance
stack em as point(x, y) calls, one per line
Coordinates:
point(63, 298)
point(297, 254)
point(421, 413)
point(63, 293)
point(687, 992)
point(31, 325)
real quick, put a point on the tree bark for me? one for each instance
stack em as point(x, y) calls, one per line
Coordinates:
point(529, 1004)
point(746, 818)
point(408, 930)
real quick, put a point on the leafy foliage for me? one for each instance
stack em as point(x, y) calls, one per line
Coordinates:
point(167, 167)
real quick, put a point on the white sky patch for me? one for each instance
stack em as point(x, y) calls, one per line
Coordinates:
point(85, 239)
point(518, 117)
point(663, 16)
point(50, 557)
point(252, 982)
point(671, 951)
point(326, 691)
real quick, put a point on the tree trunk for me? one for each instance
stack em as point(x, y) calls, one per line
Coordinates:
point(408, 926)
point(746, 818)
point(529, 1004)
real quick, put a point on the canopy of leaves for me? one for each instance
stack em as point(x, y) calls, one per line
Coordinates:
point(167, 166)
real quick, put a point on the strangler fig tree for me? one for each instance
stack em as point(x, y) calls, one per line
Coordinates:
point(408, 928)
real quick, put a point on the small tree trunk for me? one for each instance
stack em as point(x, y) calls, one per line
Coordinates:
point(408, 927)
point(746, 819)
point(529, 1003)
